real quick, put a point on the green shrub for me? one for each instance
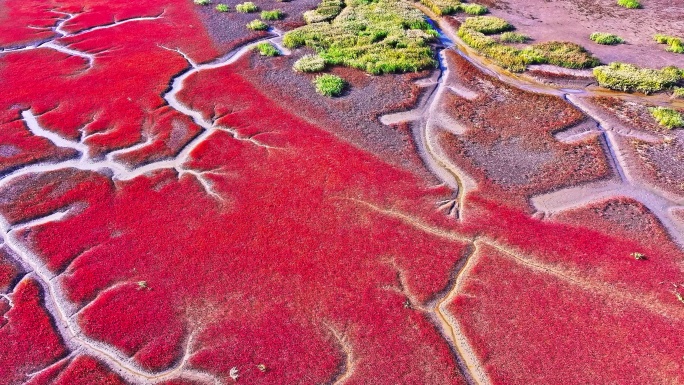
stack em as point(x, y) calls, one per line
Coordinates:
point(267, 49)
point(329, 85)
point(631, 4)
point(678, 92)
point(629, 78)
point(443, 7)
point(275, 14)
point(667, 117)
point(202, 2)
point(380, 36)
point(246, 7)
point(309, 63)
point(326, 10)
point(257, 25)
point(222, 8)
point(674, 43)
point(565, 54)
point(606, 38)
point(474, 9)
point(513, 37)
point(487, 24)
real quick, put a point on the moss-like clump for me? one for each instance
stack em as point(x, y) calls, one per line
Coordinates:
point(631, 4)
point(309, 63)
point(329, 85)
point(475, 30)
point(246, 7)
point(513, 37)
point(629, 78)
point(674, 44)
point(606, 38)
point(377, 36)
point(202, 2)
point(474, 9)
point(267, 49)
point(275, 14)
point(667, 117)
point(257, 25)
point(487, 24)
point(326, 10)
point(448, 7)
point(678, 92)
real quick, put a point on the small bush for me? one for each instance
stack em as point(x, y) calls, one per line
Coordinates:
point(443, 7)
point(667, 117)
point(309, 63)
point(678, 92)
point(474, 9)
point(513, 37)
point(674, 43)
point(257, 25)
point(629, 78)
point(606, 38)
point(222, 8)
point(565, 54)
point(246, 7)
point(487, 24)
point(329, 85)
point(631, 4)
point(326, 10)
point(202, 2)
point(275, 14)
point(267, 49)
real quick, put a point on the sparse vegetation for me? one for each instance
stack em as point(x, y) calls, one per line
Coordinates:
point(631, 4)
point(381, 36)
point(486, 24)
point(326, 10)
point(678, 92)
point(606, 38)
point(638, 256)
point(257, 25)
point(674, 44)
point(474, 9)
point(629, 78)
point(667, 117)
point(309, 63)
point(201, 2)
point(513, 37)
point(329, 85)
point(246, 7)
point(443, 7)
point(267, 49)
point(222, 8)
point(275, 14)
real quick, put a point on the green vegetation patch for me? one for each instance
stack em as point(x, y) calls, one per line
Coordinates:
point(606, 38)
point(631, 4)
point(326, 11)
point(678, 92)
point(202, 2)
point(674, 44)
point(629, 78)
point(565, 54)
point(257, 25)
point(667, 117)
point(246, 7)
point(442, 7)
point(377, 36)
point(222, 8)
point(329, 85)
point(513, 37)
point(309, 63)
point(267, 49)
point(486, 24)
point(275, 14)
point(474, 9)
point(475, 30)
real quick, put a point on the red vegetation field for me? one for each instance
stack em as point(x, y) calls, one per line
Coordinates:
point(287, 251)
